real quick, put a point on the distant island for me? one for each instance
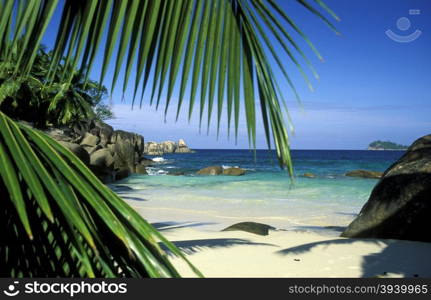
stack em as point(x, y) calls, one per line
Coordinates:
point(386, 145)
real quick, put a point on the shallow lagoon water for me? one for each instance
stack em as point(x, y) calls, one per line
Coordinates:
point(265, 193)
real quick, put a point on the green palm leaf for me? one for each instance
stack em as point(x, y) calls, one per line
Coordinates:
point(176, 39)
point(58, 218)
point(59, 199)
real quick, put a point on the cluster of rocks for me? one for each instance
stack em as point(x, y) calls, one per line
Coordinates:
point(364, 174)
point(353, 173)
point(218, 170)
point(154, 148)
point(399, 206)
point(110, 154)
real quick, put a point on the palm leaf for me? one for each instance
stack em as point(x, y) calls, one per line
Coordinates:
point(81, 228)
point(190, 33)
point(59, 199)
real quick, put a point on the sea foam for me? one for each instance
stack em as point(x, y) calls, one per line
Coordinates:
point(158, 159)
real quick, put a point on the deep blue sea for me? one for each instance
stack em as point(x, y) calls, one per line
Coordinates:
point(265, 193)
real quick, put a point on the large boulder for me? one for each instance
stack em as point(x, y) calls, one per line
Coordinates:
point(212, 170)
point(252, 227)
point(182, 147)
point(106, 175)
point(78, 150)
point(168, 146)
point(400, 204)
point(140, 169)
point(152, 148)
point(62, 135)
point(103, 131)
point(233, 171)
point(122, 173)
point(102, 158)
point(92, 149)
point(146, 162)
point(136, 140)
point(124, 156)
point(364, 174)
point(90, 140)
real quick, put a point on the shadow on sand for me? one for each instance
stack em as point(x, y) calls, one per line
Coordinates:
point(335, 229)
point(163, 226)
point(132, 198)
point(194, 246)
point(405, 258)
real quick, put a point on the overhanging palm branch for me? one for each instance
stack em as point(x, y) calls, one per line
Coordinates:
point(60, 220)
point(213, 49)
point(217, 48)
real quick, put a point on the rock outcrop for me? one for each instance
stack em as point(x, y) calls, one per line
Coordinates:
point(153, 148)
point(110, 154)
point(364, 174)
point(400, 204)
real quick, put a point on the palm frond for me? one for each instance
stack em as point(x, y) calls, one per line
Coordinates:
point(60, 220)
point(185, 40)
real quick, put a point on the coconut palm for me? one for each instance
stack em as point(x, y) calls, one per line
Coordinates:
point(58, 218)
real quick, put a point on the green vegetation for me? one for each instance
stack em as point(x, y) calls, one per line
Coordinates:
point(103, 112)
point(58, 218)
point(57, 102)
point(386, 145)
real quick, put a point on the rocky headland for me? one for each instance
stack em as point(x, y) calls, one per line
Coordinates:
point(111, 154)
point(154, 148)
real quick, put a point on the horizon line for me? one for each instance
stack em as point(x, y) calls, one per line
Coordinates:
point(295, 149)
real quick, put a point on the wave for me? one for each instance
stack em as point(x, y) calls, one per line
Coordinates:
point(154, 171)
point(158, 159)
point(227, 167)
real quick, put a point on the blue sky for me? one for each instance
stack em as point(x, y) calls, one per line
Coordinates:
point(371, 87)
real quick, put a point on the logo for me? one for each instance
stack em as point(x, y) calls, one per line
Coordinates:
point(404, 24)
point(11, 290)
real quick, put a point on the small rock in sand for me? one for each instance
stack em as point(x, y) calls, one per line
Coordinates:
point(252, 227)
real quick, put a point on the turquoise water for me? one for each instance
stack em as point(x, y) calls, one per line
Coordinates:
point(265, 193)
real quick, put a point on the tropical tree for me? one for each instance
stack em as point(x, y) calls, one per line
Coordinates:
point(59, 219)
point(57, 102)
point(103, 112)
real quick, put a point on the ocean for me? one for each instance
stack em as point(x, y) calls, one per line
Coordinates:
point(266, 194)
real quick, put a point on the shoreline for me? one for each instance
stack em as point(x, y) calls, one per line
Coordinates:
point(282, 253)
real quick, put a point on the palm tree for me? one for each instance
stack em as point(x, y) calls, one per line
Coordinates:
point(58, 218)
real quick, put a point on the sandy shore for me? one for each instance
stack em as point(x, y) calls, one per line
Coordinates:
point(282, 253)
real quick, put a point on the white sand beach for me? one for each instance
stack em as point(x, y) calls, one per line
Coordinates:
point(282, 253)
